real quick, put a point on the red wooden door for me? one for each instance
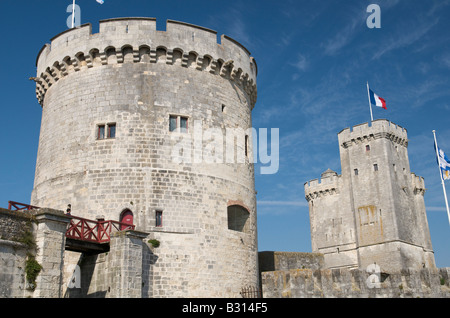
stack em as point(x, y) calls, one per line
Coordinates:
point(127, 219)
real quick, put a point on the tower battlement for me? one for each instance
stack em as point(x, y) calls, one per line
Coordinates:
point(137, 40)
point(327, 185)
point(380, 128)
point(418, 184)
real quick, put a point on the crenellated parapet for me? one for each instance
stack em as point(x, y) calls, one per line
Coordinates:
point(136, 40)
point(328, 185)
point(380, 128)
point(418, 184)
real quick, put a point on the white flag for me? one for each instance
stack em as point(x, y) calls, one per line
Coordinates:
point(444, 164)
point(100, 1)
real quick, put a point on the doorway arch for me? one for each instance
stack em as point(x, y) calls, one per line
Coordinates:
point(126, 218)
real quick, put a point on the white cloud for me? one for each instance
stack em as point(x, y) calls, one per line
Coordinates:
point(301, 63)
point(436, 208)
point(445, 60)
point(406, 37)
point(344, 36)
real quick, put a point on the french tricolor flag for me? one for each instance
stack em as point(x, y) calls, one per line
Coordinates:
point(376, 100)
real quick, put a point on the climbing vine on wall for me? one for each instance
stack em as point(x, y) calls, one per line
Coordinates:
point(32, 270)
point(32, 267)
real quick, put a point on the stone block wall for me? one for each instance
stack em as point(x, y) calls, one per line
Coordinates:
point(123, 272)
point(12, 269)
point(277, 261)
point(14, 229)
point(14, 224)
point(37, 236)
point(355, 283)
point(50, 232)
point(127, 250)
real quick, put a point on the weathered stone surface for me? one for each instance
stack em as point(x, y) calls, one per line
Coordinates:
point(131, 75)
point(276, 261)
point(355, 283)
point(37, 234)
point(374, 212)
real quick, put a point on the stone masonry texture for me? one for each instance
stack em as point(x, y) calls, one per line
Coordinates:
point(353, 283)
point(374, 212)
point(37, 234)
point(134, 78)
point(14, 226)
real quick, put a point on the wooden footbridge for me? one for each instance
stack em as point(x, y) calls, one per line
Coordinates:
point(84, 235)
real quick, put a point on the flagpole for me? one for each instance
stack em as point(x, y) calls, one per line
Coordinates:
point(440, 174)
point(73, 14)
point(370, 104)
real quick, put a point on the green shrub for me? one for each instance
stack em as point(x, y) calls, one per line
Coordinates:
point(154, 243)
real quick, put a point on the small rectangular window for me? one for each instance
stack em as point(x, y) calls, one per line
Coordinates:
point(183, 124)
point(111, 130)
point(367, 148)
point(172, 123)
point(101, 132)
point(178, 123)
point(158, 221)
point(356, 172)
point(106, 131)
point(375, 167)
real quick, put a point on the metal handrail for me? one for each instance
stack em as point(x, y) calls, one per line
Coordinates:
point(17, 206)
point(81, 228)
point(94, 231)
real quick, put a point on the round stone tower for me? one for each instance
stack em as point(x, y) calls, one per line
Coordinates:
point(154, 128)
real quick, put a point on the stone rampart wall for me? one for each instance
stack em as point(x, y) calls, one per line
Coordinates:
point(356, 283)
point(31, 250)
point(276, 261)
point(14, 227)
point(138, 41)
point(12, 269)
point(14, 224)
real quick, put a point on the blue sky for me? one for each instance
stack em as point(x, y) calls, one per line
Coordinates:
point(314, 59)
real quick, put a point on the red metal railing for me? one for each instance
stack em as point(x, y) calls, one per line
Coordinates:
point(82, 229)
point(94, 231)
point(16, 206)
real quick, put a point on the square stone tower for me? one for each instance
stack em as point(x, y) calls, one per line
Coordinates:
point(374, 212)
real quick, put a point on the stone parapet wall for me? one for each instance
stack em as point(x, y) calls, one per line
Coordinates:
point(14, 224)
point(344, 283)
point(380, 128)
point(138, 41)
point(276, 261)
